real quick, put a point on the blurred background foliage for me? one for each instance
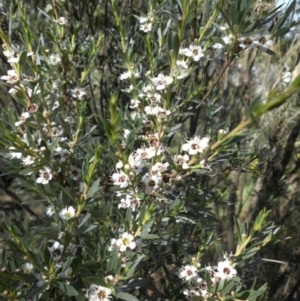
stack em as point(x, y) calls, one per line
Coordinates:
point(262, 170)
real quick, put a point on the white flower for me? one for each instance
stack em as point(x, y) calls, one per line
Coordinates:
point(160, 167)
point(197, 52)
point(149, 110)
point(14, 53)
point(34, 91)
point(56, 251)
point(22, 119)
point(213, 274)
point(129, 201)
point(143, 20)
point(226, 269)
point(154, 97)
point(160, 113)
point(182, 160)
point(78, 93)
point(126, 241)
point(217, 46)
point(29, 160)
point(112, 245)
point(205, 165)
point(161, 82)
point(146, 27)
point(194, 51)
point(222, 132)
point(125, 203)
point(136, 164)
point(45, 176)
point(99, 293)
point(202, 287)
point(196, 145)
point(13, 91)
point(62, 21)
point(57, 131)
point(129, 89)
point(54, 59)
point(125, 75)
point(120, 179)
point(11, 77)
point(228, 39)
point(48, 8)
point(264, 40)
point(152, 182)
point(50, 210)
point(286, 77)
point(181, 69)
point(59, 155)
point(144, 153)
point(188, 272)
point(27, 268)
point(134, 103)
point(67, 213)
point(126, 133)
point(14, 155)
point(191, 293)
point(246, 42)
point(119, 164)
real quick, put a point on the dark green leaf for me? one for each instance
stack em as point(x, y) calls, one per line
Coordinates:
point(94, 280)
point(149, 236)
point(67, 289)
point(219, 250)
point(126, 297)
point(37, 291)
point(93, 189)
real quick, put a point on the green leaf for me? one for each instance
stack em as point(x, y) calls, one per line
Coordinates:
point(219, 250)
point(228, 288)
point(149, 236)
point(258, 293)
point(67, 289)
point(47, 257)
point(113, 262)
point(137, 283)
point(84, 220)
point(174, 129)
point(146, 227)
point(126, 297)
point(207, 280)
point(91, 227)
point(23, 58)
point(282, 31)
point(37, 291)
point(132, 268)
point(94, 280)
point(93, 189)
point(254, 104)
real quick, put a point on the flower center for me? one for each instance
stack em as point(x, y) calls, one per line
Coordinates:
point(101, 295)
point(126, 241)
point(189, 272)
point(194, 146)
point(247, 41)
point(262, 40)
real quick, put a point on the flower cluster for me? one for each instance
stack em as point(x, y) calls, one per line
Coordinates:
point(196, 286)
